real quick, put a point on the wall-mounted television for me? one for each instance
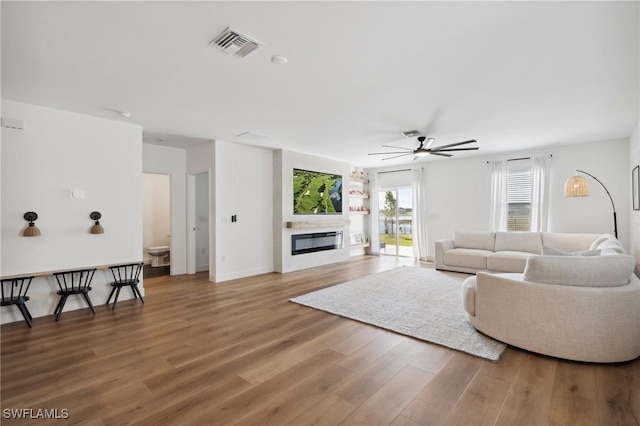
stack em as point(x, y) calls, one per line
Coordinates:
point(316, 192)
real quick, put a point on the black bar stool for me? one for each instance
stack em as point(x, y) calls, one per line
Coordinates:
point(14, 292)
point(73, 282)
point(125, 276)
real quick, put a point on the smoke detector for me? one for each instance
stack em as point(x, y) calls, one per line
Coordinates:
point(235, 43)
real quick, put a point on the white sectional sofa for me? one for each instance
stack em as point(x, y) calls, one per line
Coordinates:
point(577, 298)
point(473, 251)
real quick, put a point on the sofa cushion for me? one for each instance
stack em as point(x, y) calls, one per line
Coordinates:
point(569, 242)
point(481, 240)
point(583, 271)
point(508, 261)
point(467, 258)
point(519, 241)
point(550, 251)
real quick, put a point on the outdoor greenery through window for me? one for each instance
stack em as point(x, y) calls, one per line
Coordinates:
point(519, 199)
point(395, 215)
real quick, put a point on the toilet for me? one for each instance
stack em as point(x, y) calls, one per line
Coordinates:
point(159, 256)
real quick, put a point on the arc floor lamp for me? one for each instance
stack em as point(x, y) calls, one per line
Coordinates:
point(578, 186)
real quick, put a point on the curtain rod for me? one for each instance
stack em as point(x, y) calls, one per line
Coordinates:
point(522, 158)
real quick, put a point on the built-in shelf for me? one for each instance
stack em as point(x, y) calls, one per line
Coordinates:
point(363, 245)
point(359, 195)
point(358, 212)
point(360, 180)
point(300, 224)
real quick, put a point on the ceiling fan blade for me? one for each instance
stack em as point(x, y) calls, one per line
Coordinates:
point(397, 147)
point(443, 155)
point(455, 144)
point(390, 152)
point(454, 149)
point(396, 156)
point(430, 142)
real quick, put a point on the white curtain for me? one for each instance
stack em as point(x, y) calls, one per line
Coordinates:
point(374, 232)
point(499, 203)
point(540, 193)
point(419, 219)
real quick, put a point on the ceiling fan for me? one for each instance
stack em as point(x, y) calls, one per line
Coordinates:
point(424, 150)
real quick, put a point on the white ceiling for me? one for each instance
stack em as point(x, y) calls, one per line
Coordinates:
point(512, 75)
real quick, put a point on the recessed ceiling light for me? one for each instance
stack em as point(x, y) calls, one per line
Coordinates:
point(125, 114)
point(279, 60)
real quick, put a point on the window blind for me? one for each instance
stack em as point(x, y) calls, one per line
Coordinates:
point(519, 187)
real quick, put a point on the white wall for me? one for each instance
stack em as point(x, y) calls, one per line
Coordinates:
point(156, 212)
point(57, 152)
point(199, 158)
point(243, 187)
point(606, 160)
point(458, 190)
point(172, 161)
point(284, 163)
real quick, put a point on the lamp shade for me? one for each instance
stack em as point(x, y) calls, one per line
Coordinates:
point(576, 186)
point(97, 229)
point(31, 231)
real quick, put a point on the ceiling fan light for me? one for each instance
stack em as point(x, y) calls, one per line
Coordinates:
point(421, 153)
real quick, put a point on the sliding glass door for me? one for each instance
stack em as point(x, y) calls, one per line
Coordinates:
point(395, 221)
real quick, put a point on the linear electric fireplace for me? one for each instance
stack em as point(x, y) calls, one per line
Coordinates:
point(318, 241)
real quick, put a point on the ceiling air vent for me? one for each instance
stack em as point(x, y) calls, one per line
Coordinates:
point(412, 133)
point(235, 43)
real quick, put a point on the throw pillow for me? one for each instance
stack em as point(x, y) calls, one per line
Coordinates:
point(611, 246)
point(601, 239)
point(550, 251)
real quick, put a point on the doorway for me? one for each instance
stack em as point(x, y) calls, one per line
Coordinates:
point(395, 221)
point(156, 224)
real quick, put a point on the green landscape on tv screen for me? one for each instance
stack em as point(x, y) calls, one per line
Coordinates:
point(316, 192)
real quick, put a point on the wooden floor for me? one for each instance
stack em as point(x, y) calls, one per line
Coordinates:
point(239, 353)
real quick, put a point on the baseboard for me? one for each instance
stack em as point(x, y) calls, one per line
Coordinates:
point(218, 278)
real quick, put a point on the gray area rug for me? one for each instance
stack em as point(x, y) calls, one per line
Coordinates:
point(417, 302)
